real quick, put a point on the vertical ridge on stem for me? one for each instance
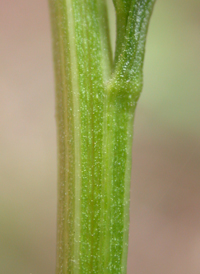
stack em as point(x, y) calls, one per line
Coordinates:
point(96, 99)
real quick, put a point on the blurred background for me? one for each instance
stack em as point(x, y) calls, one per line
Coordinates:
point(165, 196)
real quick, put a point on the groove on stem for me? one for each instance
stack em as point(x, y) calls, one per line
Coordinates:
point(95, 104)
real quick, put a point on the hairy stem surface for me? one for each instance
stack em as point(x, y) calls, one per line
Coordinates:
point(95, 104)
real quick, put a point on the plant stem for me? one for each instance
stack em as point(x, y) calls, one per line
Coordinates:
point(95, 103)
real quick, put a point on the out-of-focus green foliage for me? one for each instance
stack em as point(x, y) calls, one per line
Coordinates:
point(172, 82)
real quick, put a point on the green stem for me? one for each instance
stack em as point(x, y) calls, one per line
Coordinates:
point(118, 147)
point(95, 112)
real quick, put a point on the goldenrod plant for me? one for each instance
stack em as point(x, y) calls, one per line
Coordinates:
point(96, 97)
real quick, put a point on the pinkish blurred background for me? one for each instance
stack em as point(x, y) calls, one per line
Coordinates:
point(165, 197)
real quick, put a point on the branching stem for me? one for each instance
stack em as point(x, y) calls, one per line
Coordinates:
point(95, 104)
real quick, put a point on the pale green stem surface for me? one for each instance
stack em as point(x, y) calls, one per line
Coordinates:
point(95, 104)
